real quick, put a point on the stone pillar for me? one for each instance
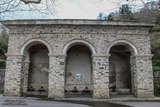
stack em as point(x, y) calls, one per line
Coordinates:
point(13, 77)
point(143, 75)
point(101, 76)
point(56, 76)
point(25, 71)
point(133, 76)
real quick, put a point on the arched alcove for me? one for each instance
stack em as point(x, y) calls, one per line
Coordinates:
point(121, 67)
point(35, 69)
point(78, 71)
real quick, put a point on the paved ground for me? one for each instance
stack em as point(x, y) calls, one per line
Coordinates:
point(34, 102)
point(142, 104)
point(99, 104)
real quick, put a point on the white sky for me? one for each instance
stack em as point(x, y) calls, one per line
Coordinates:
point(89, 9)
point(79, 9)
point(84, 9)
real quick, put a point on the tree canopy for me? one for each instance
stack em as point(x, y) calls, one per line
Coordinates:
point(3, 44)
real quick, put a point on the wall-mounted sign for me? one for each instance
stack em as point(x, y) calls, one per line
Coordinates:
point(78, 76)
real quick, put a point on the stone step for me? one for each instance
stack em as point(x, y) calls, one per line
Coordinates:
point(78, 94)
point(36, 94)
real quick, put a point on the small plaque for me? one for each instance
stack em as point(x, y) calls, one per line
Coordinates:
point(78, 76)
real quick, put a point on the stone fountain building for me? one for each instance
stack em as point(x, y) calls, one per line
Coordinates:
point(60, 57)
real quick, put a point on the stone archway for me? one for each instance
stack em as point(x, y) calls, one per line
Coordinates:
point(35, 69)
point(121, 67)
point(38, 69)
point(133, 49)
point(120, 70)
point(31, 42)
point(78, 78)
point(82, 42)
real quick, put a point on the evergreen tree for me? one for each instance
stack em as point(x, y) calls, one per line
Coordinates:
point(101, 16)
point(159, 4)
point(125, 13)
point(158, 20)
point(110, 17)
point(3, 44)
point(3, 48)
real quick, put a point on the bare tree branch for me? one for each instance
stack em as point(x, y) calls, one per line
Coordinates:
point(8, 7)
point(31, 1)
point(41, 6)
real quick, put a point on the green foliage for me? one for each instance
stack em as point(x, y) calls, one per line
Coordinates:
point(110, 17)
point(3, 44)
point(3, 48)
point(156, 68)
point(125, 9)
point(155, 44)
point(158, 19)
point(125, 13)
point(156, 90)
point(2, 64)
point(155, 40)
point(102, 16)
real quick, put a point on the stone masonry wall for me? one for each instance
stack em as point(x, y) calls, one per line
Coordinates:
point(100, 77)
point(56, 76)
point(58, 34)
point(13, 77)
point(144, 76)
point(99, 36)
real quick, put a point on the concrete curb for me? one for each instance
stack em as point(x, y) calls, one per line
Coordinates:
point(119, 99)
point(155, 99)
